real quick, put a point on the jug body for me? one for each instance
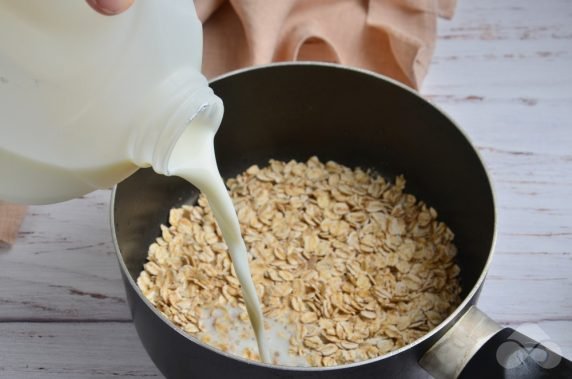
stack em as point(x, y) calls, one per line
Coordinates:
point(87, 99)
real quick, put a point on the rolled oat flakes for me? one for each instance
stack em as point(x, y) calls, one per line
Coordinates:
point(357, 266)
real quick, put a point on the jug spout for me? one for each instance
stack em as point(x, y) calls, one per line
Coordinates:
point(153, 143)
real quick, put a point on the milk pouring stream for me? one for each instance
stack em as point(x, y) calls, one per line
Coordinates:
point(85, 100)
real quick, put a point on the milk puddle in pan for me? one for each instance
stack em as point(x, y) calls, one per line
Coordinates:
point(193, 159)
point(223, 330)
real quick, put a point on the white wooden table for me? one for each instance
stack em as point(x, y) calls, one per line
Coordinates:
point(502, 69)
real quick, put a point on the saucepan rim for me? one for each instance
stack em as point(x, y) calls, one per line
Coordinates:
point(455, 314)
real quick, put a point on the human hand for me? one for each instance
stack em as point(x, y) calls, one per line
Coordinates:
point(110, 7)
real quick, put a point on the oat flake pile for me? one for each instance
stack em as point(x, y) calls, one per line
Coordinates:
point(356, 266)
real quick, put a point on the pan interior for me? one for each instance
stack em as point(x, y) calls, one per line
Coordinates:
point(355, 118)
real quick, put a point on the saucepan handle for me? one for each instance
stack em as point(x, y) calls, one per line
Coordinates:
point(510, 354)
point(477, 347)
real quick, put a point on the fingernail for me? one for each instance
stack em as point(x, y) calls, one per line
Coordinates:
point(110, 7)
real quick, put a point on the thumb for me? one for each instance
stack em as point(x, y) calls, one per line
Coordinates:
point(110, 7)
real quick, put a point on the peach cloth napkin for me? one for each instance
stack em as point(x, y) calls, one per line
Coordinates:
point(392, 37)
point(11, 217)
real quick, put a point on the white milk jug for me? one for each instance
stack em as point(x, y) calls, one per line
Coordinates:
point(87, 99)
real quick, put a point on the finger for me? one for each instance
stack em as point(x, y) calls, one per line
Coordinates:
point(110, 7)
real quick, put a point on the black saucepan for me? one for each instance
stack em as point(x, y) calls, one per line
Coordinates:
point(294, 111)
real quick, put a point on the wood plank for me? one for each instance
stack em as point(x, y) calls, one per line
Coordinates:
point(63, 265)
point(524, 288)
point(503, 67)
point(73, 350)
point(501, 70)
